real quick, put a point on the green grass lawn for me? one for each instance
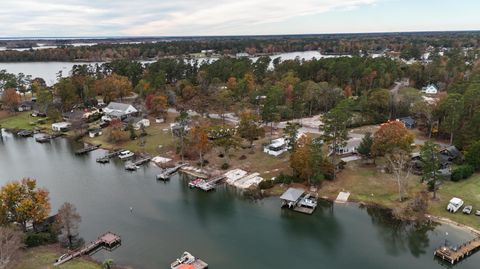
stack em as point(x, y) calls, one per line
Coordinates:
point(44, 257)
point(468, 190)
point(21, 120)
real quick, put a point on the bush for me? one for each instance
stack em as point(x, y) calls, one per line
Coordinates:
point(225, 166)
point(462, 172)
point(33, 239)
point(266, 184)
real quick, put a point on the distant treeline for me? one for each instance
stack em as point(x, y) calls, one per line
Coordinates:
point(409, 44)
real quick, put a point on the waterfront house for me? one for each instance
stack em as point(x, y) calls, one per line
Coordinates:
point(116, 110)
point(430, 89)
point(61, 126)
point(409, 122)
point(25, 106)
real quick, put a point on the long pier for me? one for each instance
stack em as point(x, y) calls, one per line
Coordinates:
point(107, 157)
point(134, 165)
point(108, 240)
point(455, 255)
point(88, 149)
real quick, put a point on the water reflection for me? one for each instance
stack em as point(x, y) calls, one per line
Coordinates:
point(400, 236)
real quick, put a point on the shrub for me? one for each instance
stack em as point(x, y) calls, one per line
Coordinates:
point(462, 172)
point(225, 166)
point(266, 184)
point(33, 239)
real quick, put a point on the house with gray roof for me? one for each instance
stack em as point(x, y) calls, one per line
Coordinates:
point(116, 110)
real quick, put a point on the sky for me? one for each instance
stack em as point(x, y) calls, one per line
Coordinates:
point(96, 18)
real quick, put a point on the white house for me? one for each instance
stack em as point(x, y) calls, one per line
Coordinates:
point(349, 148)
point(430, 89)
point(61, 126)
point(277, 147)
point(116, 110)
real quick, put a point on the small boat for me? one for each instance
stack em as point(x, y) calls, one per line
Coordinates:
point(188, 259)
point(308, 201)
point(103, 160)
point(25, 133)
point(195, 183)
point(126, 154)
point(130, 166)
point(43, 139)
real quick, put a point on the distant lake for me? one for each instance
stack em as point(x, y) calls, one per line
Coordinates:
point(48, 70)
point(221, 227)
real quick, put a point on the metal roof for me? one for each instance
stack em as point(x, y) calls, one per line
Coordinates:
point(292, 194)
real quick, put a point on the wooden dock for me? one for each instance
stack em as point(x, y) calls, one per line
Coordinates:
point(107, 157)
point(132, 166)
point(88, 149)
point(210, 184)
point(455, 255)
point(108, 240)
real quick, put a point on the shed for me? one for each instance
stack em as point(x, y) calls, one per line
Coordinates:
point(430, 89)
point(141, 122)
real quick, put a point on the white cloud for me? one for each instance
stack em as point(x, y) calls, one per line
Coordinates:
point(154, 17)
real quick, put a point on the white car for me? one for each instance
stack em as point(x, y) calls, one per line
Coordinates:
point(126, 154)
point(454, 205)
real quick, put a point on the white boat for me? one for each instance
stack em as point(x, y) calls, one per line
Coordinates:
point(308, 201)
point(126, 154)
point(130, 166)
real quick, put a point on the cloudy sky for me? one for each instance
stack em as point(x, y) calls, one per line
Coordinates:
point(20, 18)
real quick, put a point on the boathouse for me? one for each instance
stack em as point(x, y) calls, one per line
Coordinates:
point(292, 197)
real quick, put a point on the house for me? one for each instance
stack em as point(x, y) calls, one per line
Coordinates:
point(430, 89)
point(25, 106)
point(409, 122)
point(138, 123)
point(451, 153)
point(116, 110)
point(72, 115)
point(95, 132)
point(349, 148)
point(277, 147)
point(61, 126)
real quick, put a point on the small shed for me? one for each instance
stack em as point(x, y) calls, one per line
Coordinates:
point(141, 122)
point(292, 196)
point(61, 126)
point(430, 89)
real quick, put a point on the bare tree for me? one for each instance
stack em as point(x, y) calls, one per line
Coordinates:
point(10, 243)
point(399, 162)
point(68, 220)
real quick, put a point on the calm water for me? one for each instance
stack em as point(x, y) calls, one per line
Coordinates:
point(48, 70)
point(220, 227)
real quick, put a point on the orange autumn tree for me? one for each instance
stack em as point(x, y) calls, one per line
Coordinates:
point(393, 140)
point(199, 140)
point(11, 99)
point(159, 105)
point(23, 202)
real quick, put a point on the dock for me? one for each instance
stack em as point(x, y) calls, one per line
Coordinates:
point(108, 241)
point(208, 185)
point(297, 200)
point(109, 156)
point(454, 255)
point(87, 149)
point(134, 165)
point(167, 173)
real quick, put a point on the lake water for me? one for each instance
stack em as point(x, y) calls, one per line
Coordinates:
point(221, 227)
point(48, 70)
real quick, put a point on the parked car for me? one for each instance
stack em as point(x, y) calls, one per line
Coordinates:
point(455, 204)
point(467, 209)
point(477, 213)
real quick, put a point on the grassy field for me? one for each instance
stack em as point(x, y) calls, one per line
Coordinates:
point(43, 258)
point(467, 190)
point(367, 184)
point(20, 120)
